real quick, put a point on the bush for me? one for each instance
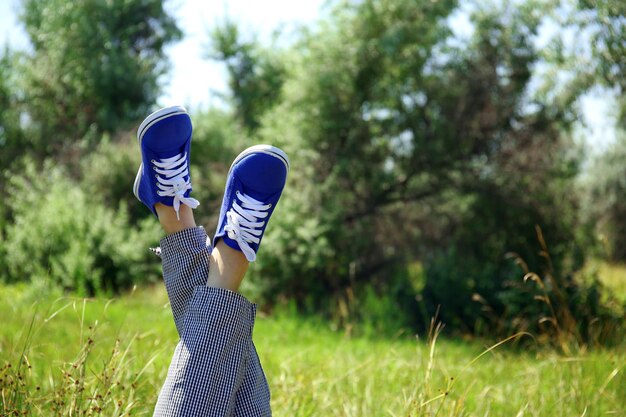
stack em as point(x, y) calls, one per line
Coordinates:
point(382, 145)
point(109, 173)
point(517, 293)
point(66, 235)
point(474, 280)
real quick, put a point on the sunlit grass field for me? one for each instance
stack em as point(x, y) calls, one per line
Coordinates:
point(69, 356)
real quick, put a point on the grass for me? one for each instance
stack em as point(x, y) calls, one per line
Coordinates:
point(63, 356)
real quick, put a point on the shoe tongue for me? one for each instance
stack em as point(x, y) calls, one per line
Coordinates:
point(263, 175)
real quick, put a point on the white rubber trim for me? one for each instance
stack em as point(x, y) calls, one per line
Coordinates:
point(156, 116)
point(137, 180)
point(267, 149)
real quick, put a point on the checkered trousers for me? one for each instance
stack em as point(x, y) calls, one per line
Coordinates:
point(215, 370)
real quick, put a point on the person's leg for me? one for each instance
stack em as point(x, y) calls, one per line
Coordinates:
point(211, 360)
point(214, 324)
point(228, 268)
point(253, 188)
point(185, 254)
point(215, 370)
point(163, 184)
point(253, 397)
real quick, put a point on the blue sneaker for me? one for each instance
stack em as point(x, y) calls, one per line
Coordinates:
point(254, 184)
point(163, 177)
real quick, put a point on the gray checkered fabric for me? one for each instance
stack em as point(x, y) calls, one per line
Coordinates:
point(253, 397)
point(215, 370)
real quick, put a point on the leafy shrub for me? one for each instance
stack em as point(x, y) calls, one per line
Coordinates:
point(65, 234)
point(108, 174)
point(520, 293)
point(471, 273)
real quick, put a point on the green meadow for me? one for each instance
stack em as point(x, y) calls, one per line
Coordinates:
point(62, 356)
point(463, 159)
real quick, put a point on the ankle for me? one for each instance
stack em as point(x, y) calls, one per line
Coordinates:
point(169, 220)
point(227, 267)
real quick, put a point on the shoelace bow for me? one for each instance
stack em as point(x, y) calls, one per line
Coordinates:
point(171, 181)
point(244, 223)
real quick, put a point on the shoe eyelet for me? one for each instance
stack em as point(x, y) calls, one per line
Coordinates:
point(154, 168)
point(153, 161)
point(270, 205)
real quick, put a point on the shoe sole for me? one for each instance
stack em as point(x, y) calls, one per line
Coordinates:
point(266, 149)
point(145, 125)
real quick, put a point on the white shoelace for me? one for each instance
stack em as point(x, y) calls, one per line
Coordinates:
point(171, 181)
point(243, 223)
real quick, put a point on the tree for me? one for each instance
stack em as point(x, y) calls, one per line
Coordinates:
point(92, 70)
point(11, 134)
point(606, 22)
point(255, 75)
point(412, 145)
point(94, 66)
point(607, 199)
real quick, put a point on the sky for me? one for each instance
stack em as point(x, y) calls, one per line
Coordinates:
point(197, 82)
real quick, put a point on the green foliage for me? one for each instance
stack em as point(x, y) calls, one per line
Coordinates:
point(344, 122)
point(607, 23)
point(11, 134)
point(412, 144)
point(94, 66)
point(409, 144)
point(606, 199)
point(256, 76)
point(563, 309)
point(108, 174)
point(63, 234)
